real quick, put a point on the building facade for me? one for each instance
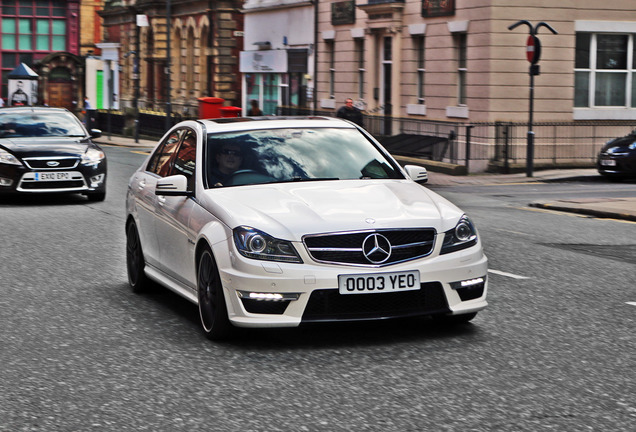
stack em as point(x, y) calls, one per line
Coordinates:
point(278, 58)
point(202, 43)
point(457, 60)
point(45, 36)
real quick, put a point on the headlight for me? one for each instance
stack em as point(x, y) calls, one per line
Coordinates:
point(463, 236)
point(92, 156)
point(252, 243)
point(8, 158)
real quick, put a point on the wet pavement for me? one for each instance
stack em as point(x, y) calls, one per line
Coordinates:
point(615, 208)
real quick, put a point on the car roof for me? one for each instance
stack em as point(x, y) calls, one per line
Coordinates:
point(272, 122)
point(31, 109)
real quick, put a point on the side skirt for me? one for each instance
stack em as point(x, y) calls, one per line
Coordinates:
point(171, 284)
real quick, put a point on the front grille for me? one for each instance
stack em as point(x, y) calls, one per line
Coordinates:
point(71, 184)
point(347, 248)
point(264, 307)
point(43, 163)
point(471, 293)
point(330, 305)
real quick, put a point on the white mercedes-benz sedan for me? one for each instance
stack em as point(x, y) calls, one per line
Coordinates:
point(278, 222)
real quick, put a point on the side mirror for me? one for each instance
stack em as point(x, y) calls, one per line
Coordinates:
point(95, 133)
point(176, 185)
point(417, 173)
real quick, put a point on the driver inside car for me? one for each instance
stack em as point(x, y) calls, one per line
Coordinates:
point(228, 160)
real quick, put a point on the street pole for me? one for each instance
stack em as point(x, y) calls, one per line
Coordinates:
point(530, 139)
point(533, 52)
point(136, 78)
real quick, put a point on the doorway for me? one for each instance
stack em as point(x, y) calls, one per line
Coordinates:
point(61, 95)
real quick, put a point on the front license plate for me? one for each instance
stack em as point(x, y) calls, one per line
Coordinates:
point(52, 176)
point(379, 282)
point(608, 162)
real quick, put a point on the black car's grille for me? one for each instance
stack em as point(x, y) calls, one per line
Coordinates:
point(347, 248)
point(56, 163)
point(70, 184)
point(330, 305)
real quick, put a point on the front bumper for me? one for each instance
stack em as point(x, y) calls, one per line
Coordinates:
point(311, 289)
point(616, 166)
point(83, 178)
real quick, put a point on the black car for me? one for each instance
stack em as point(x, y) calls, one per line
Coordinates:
point(617, 158)
point(48, 150)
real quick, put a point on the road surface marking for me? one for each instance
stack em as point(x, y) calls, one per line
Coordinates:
point(631, 303)
point(510, 275)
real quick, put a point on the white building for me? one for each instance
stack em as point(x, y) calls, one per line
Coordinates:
point(277, 63)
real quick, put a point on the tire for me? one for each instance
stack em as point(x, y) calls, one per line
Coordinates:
point(96, 196)
point(135, 262)
point(212, 308)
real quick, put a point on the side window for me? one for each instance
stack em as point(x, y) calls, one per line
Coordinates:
point(184, 162)
point(159, 163)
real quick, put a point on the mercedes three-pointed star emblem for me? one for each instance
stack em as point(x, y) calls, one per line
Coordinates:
point(376, 248)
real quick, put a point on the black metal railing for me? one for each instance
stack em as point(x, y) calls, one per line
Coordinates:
point(482, 145)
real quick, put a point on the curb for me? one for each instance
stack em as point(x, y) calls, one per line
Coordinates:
point(605, 214)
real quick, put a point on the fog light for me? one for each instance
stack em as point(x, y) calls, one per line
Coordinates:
point(470, 289)
point(268, 296)
point(468, 283)
point(5, 181)
point(97, 180)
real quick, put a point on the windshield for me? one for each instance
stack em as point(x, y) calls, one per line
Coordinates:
point(25, 124)
point(286, 155)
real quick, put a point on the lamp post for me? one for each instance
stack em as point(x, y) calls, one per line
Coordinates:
point(141, 20)
point(533, 51)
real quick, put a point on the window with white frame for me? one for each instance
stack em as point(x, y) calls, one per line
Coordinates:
point(420, 56)
point(605, 70)
point(359, 48)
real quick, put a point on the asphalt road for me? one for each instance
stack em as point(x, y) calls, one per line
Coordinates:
point(80, 352)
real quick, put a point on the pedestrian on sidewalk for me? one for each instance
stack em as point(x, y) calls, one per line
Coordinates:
point(254, 110)
point(349, 112)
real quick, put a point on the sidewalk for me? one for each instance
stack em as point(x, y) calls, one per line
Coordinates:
point(615, 208)
point(121, 141)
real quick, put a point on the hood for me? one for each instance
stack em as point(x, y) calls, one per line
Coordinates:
point(33, 147)
point(291, 210)
point(620, 145)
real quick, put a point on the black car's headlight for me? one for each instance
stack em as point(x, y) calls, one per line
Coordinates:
point(252, 243)
point(463, 236)
point(8, 158)
point(92, 156)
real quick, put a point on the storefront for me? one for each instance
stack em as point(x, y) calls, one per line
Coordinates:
point(274, 78)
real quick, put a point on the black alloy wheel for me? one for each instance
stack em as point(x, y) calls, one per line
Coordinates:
point(135, 263)
point(212, 308)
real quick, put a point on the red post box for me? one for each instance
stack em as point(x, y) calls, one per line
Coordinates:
point(210, 107)
point(231, 111)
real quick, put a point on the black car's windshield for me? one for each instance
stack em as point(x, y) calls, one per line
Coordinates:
point(26, 124)
point(293, 155)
